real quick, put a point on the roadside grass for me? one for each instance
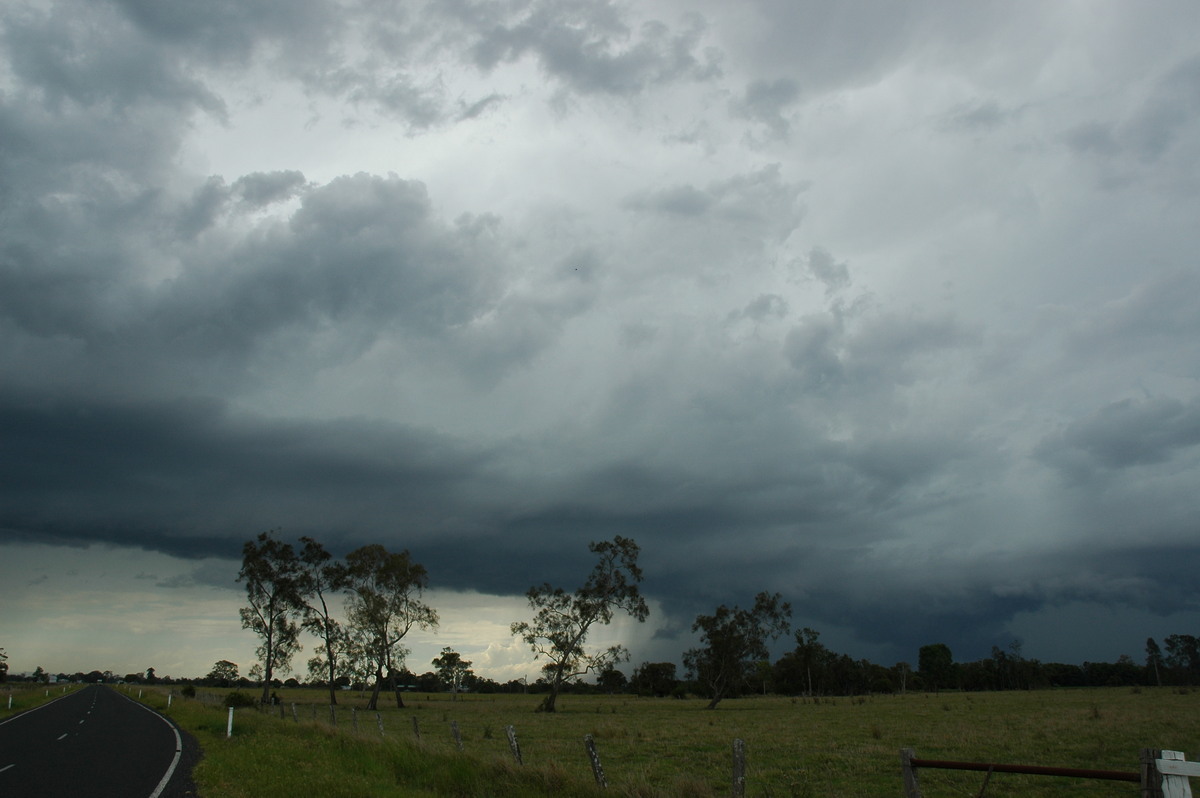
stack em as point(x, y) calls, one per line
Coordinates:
point(25, 695)
point(666, 747)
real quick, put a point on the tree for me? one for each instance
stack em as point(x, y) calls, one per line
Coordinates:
point(271, 571)
point(1183, 656)
point(40, 675)
point(151, 677)
point(1154, 660)
point(611, 680)
point(936, 664)
point(733, 640)
point(654, 678)
point(223, 673)
point(3, 665)
point(452, 670)
point(385, 604)
point(320, 578)
point(562, 620)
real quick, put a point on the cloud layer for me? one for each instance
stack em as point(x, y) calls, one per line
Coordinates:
point(896, 313)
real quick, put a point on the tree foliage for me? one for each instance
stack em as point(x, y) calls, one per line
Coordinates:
point(223, 674)
point(385, 604)
point(562, 620)
point(453, 671)
point(732, 641)
point(272, 574)
point(936, 664)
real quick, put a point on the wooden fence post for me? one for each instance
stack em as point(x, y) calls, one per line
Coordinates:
point(912, 786)
point(589, 744)
point(1176, 770)
point(379, 721)
point(512, 743)
point(1151, 780)
point(739, 768)
point(295, 717)
point(416, 728)
point(455, 733)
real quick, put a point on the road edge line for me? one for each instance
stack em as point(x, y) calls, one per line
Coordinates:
point(162, 784)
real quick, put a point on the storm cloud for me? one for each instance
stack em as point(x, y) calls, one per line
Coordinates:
point(896, 313)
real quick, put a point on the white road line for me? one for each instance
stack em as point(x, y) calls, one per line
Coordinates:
point(6, 767)
point(162, 785)
point(62, 736)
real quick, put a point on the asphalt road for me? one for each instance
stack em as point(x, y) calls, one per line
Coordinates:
point(94, 742)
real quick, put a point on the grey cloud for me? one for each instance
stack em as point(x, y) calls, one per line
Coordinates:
point(1154, 128)
point(1162, 315)
point(835, 350)
point(1125, 434)
point(230, 32)
point(980, 116)
point(260, 189)
point(763, 308)
point(766, 100)
point(191, 479)
point(588, 46)
point(86, 55)
point(1173, 108)
point(833, 275)
point(761, 199)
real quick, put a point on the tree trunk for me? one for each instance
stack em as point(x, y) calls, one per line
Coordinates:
point(373, 704)
point(396, 689)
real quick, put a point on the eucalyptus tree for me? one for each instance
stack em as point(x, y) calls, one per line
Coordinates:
point(385, 603)
point(274, 585)
point(321, 578)
point(562, 620)
point(733, 640)
point(452, 670)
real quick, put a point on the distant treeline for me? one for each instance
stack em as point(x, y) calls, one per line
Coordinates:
point(811, 669)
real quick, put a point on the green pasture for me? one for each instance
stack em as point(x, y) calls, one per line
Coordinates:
point(27, 695)
point(668, 747)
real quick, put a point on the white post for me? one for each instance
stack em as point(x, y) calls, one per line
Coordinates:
point(10, 700)
point(169, 697)
point(229, 728)
point(139, 695)
point(1175, 770)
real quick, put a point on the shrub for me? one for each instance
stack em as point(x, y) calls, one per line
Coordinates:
point(239, 699)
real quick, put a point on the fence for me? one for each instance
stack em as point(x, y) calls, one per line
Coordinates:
point(1162, 774)
point(351, 719)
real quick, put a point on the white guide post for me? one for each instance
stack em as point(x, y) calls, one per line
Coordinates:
point(229, 728)
point(1175, 771)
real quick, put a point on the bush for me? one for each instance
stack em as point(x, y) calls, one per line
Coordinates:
point(239, 699)
point(188, 691)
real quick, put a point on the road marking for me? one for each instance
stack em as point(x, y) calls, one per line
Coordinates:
point(62, 736)
point(6, 767)
point(162, 784)
point(80, 723)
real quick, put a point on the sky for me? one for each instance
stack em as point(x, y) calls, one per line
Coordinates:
point(891, 308)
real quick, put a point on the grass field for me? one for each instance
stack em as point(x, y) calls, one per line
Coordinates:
point(19, 696)
point(666, 747)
